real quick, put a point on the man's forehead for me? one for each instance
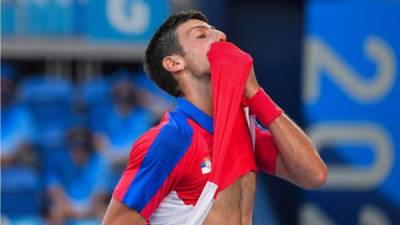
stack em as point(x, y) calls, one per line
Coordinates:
point(191, 24)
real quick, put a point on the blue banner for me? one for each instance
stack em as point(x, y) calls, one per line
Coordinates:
point(127, 20)
point(7, 17)
point(351, 97)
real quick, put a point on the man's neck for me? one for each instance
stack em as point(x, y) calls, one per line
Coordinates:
point(201, 96)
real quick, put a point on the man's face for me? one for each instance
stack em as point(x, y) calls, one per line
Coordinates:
point(195, 38)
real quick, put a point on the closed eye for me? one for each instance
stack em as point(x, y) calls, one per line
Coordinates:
point(202, 36)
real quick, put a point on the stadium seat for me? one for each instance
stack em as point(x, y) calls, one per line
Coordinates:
point(94, 95)
point(22, 193)
point(50, 102)
point(23, 220)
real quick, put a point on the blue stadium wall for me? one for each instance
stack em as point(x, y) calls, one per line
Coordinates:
point(351, 103)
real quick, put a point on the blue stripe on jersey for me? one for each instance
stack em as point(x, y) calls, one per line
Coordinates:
point(196, 114)
point(167, 149)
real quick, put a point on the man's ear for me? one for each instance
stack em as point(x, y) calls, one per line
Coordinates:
point(173, 63)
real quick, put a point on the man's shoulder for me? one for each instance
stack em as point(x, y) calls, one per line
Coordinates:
point(173, 132)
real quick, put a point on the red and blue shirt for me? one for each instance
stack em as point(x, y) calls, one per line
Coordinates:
point(170, 164)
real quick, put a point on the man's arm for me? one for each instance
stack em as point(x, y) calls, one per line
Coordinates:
point(119, 214)
point(150, 175)
point(298, 160)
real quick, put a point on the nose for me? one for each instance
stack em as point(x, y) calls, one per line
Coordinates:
point(220, 36)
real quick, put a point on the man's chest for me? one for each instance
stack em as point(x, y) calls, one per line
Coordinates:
point(234, 205)
point(196, 168)
point(198, 164)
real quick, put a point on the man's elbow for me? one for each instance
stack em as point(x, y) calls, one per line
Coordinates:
point(317, 178)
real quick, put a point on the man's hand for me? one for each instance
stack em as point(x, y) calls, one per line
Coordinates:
point(252, 85)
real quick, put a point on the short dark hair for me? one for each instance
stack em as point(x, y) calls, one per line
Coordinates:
point(164, 43)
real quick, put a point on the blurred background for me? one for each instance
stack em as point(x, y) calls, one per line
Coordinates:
point(74, 98)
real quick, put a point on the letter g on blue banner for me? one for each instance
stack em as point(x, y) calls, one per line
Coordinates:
point(125, 20)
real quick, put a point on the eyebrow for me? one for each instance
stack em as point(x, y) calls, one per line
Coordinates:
point(202, 26)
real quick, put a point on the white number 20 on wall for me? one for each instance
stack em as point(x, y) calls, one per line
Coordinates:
point(320, 57)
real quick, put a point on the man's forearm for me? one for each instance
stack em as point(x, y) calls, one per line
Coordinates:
point(298, 161)
point(297, 153)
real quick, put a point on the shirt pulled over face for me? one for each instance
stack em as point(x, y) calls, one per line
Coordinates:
point(233, 154)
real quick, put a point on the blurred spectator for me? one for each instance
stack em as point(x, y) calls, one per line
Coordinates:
point(77, 181)
point(20, 186)
point(16, 125)
point(152, 97)
point(122, 123)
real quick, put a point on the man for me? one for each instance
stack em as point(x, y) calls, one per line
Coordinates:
point(169, 165)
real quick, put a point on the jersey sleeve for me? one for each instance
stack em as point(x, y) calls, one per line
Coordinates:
point(151, 173)
point(266, 151)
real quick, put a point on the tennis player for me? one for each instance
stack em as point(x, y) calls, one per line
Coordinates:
point(170, 164)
